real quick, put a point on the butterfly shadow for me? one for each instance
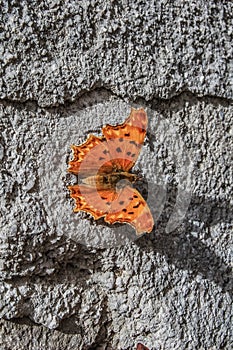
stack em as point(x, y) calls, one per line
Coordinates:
point(180, 247)
point(185, 246)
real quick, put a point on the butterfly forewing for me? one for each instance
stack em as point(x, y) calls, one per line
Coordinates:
point(125, 140)
point(89, 157)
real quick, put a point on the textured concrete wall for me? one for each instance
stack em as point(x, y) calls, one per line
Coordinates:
point(68, 68)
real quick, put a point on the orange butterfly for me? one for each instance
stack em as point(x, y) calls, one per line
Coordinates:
point(103, 167)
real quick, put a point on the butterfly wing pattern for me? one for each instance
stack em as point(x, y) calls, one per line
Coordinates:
point(103, 167)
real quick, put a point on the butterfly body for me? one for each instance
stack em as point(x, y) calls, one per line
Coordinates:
point(103, 165)
point(109, 181)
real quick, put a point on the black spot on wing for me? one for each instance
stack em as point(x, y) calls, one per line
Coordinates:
point(121, 202)
point(101, 158)
point(118, 149)
point(130, 212)
point(137, 205)
point(127, 134)
point(121, 139)
point(105, 151)
point(134, 143)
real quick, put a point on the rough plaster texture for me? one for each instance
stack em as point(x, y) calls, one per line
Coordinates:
point(57, 49)
point(68, 282)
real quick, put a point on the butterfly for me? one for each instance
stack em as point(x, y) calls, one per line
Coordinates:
point(105, 182)
point(140, 346)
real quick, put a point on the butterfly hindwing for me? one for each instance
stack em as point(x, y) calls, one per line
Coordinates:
point(88, 199)
point(130, 207)
point(126, 205)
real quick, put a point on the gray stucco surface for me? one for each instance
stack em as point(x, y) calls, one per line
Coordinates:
point(67, 281)
point(55, 50)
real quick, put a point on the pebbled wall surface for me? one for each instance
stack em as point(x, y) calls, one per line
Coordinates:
point(68, 68)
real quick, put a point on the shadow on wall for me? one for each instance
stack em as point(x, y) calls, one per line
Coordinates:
point(179, 247)
point(184, 248)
